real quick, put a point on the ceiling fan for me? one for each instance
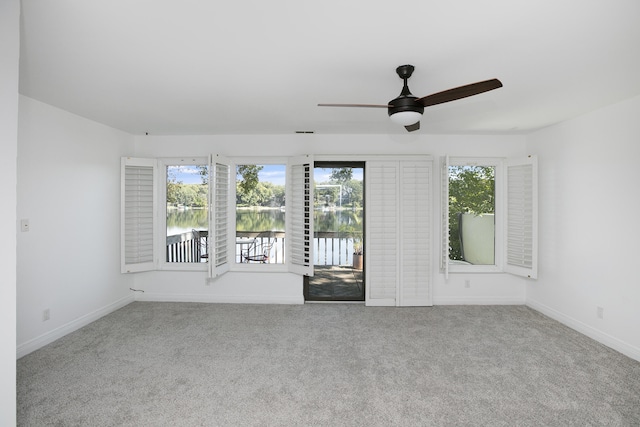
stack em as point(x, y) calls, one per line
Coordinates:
point(407, 109)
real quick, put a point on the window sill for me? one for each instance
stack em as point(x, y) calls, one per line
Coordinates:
point(457, 269)
point(259, 268)
point(187, 266)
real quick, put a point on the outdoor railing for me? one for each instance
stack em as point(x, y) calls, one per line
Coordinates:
point(184, 247)
point(332, 248)
point(329, 248)
point(245, 239)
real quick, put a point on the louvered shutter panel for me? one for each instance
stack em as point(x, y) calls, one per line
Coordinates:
point(415, 226)
point(219, 242)
point(521, 233)
point(444, 256)
point(138, 213)
point(382, 226)
point(299, 210)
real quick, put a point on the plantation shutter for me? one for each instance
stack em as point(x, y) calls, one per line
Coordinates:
point(219, 193)
point(444, 256)
point(382, 225)
point(415, 231)
point(138, 212)
point(521, 225)
point(397, 253)
point(299, 213)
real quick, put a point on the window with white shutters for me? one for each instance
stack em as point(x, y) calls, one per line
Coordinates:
point(300, 209)
point(138, 213)
point(521, 234)
point(219, 216)
point(512, 238)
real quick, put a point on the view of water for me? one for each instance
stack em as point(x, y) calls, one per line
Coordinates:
point(180, 221)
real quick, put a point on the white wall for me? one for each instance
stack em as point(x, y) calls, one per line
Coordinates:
point(589, 224)
point(69, 190)
point(485, 288)
point(9, 63)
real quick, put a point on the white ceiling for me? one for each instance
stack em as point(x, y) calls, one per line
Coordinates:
point(261, 67)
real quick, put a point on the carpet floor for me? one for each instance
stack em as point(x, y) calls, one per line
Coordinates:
point(189, 364)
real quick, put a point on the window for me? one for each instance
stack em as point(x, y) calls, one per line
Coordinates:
point(489, 220)
point(472, 202)
point(186, 205)
point(269, 199)
point(260, 213)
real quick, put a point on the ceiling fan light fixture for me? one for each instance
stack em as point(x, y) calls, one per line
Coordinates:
point(406, 109)
point(406, 118)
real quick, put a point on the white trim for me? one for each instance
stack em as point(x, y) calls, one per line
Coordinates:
point(380, 302)
point(488, 300)
point(591, 332)
point(220, 299)
point(59, 332)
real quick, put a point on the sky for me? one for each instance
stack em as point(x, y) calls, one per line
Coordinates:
point(189, 174)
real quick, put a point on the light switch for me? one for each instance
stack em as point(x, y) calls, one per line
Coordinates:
point(24, 225)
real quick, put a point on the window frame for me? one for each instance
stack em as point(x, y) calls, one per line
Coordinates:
point(498, 265)
point(163, 162)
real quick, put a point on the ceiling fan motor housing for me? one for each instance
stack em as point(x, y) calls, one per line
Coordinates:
point(405, 103)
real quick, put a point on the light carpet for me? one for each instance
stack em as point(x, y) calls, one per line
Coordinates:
point(189, 364)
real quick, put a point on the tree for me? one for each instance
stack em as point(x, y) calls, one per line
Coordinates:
point(471, 190)
point(341, 175)
point(248, 175)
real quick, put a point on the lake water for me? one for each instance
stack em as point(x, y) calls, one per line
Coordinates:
point(181, 221)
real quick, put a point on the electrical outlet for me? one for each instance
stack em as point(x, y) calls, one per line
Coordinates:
point(467, 283)
point(600, 312)
point(46, 315)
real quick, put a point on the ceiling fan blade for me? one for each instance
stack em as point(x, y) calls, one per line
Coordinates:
point(460, 92)
point(355, 105)
point(413, 127)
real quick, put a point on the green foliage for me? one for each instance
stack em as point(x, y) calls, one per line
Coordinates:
point(341, 175)
point(355, 232)
point(355, 191)
point(264, 194)
point(194, 195)
point(203, 170)
point(471, 190)
point(247, 177)
point(352, 190)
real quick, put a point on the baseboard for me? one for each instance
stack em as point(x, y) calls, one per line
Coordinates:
point(220, 299)
point(59, 332)
point(478, 301)
point(583, 328)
